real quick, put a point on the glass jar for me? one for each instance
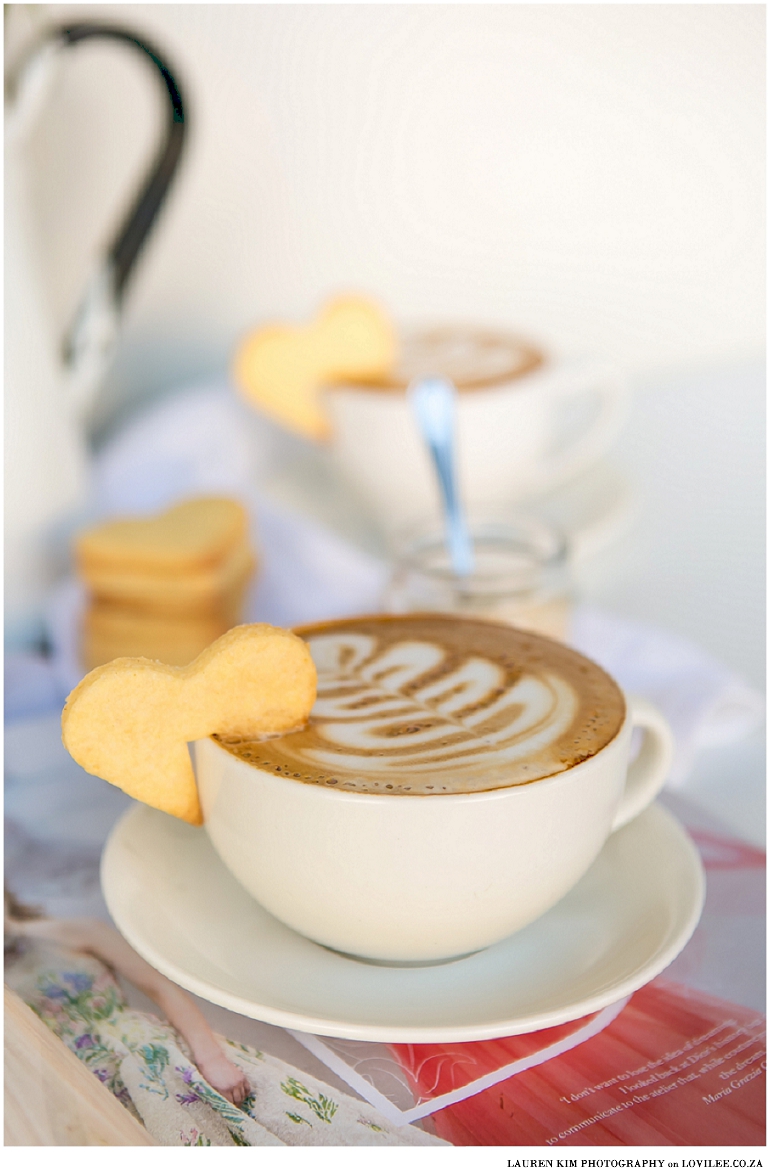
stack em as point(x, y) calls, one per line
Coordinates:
point(521, 575)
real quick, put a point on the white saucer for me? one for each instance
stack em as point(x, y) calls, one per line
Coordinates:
point(627, 919)
point(593, 510)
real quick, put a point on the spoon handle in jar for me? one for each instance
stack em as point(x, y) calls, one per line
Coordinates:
point(433, 403)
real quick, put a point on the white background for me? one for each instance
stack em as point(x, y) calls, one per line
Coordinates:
point(592, 175)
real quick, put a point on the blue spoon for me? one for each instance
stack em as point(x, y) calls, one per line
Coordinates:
point(433, 403)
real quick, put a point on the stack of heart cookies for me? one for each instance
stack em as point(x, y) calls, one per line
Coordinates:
point(166, 586)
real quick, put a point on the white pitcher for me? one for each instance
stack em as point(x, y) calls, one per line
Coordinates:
point(50, 384)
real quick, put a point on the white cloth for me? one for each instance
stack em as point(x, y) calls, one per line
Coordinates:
point(200, 440)
point(706, 704)
point(205, 440)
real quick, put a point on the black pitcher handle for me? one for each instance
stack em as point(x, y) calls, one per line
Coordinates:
point(132, 233)
point(123, 250)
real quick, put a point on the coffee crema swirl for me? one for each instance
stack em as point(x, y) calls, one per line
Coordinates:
point(474, 359)
point(426, 704)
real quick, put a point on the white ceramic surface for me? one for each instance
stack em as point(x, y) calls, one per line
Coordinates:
point(625, 921)
point(422, 878)
point(509, 443)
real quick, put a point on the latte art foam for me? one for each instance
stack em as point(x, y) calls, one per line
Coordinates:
point(427, 704)
point(474, 359)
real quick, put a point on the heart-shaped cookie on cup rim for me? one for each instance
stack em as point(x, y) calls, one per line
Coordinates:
point(282, 369)
point(130, 721)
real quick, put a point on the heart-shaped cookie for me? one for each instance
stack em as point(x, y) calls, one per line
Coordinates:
point(184, 593)
point(190, 537)
point(130, 721)
point(283, 368)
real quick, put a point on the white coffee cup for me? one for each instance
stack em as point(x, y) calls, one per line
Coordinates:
point(511, 403)
point(421, 879)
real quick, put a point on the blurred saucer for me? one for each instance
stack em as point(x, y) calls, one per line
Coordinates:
point(624, 922)
point(592, 511)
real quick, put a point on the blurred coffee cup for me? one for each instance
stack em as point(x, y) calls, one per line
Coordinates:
point(525, 424)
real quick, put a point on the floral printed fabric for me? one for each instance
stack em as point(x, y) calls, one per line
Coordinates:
point(146, 1065)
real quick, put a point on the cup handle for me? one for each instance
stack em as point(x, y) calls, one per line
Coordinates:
point(588, 443)
point(648, 772)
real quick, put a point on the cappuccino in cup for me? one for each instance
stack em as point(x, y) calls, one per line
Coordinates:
point(511, 403)
point(456, 778)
